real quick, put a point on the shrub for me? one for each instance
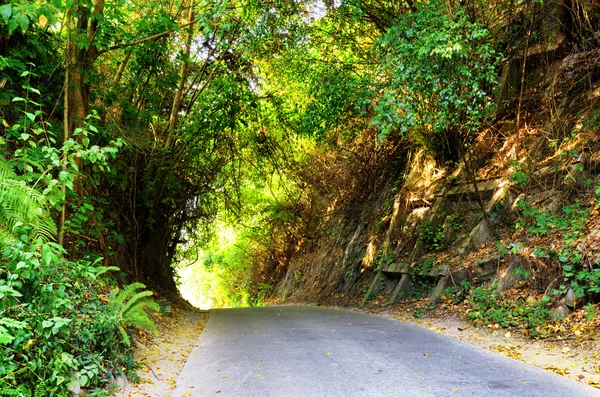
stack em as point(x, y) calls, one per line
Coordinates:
point(58, 323)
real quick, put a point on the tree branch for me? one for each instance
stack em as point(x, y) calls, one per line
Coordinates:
point(140, 41)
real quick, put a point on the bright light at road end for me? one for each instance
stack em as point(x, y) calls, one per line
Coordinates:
point(318, 9)
point(200, 283)
point(195, 285)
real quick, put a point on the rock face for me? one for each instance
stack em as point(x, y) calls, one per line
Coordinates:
point(402, 290)
point(439, 290)
point(481, 235)
point(397, 277)
point(559, 312)
point(509, 277)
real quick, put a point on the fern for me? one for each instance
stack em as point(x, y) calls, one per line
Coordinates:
point(131, 305)
point(7, 323)
point(22, 205)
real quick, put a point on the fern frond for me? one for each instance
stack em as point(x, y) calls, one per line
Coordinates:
point(138, 318)
point(124, 335)
point(20, 204)
point(135, 300)
point(100, 270)
point(132, 306)
point(123, 295)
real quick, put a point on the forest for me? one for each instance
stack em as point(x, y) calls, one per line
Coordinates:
point(247, 152)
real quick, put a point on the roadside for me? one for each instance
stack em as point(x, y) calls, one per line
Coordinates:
point(578, 360)
point(163, 355)
point(575, 355)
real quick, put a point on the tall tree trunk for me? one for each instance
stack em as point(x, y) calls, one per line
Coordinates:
point(66, 130)
point(178, 100)
point(79, 59)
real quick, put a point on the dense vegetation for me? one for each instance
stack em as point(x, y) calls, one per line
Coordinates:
point(137, 139)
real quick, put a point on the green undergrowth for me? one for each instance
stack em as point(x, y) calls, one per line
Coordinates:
point(63, 324)
point(546, 243)
point(529, 315)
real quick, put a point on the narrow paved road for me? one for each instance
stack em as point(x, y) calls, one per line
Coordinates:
point(307, 351)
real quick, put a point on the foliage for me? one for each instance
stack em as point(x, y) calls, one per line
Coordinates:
point(487, 308)
point(520, 174)
point(57, 326)
point(433, 237)
point(458, 293)
point(130, 305)
point(382, 261)
point(23, 210)
point(421, 282)
point(571, 226)
point(440, 69)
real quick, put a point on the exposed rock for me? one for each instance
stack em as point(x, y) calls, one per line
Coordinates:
point(538, 148)
point(570, 298)
point(577, 176)
point(466, 191)
point(480, 235)
point(121, 381)
point(508, 278)
point(438, 291)
point(352, 257)
point(559, 312)
point(397, 268)
point(377, 285)
point(557, 202)
point(402, 289)
point(437, 271)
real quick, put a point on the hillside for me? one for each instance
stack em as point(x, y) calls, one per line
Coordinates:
point(517, 208)
point(422, 156)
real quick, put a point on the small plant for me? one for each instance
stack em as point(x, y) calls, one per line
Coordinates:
point(488, 309)
point(424, 266)
point(420, 313)
point(432, 237)
point(520, 175)
point(519, 271)
point(130, 305)
point(382, 261)
point(455, 221)
point(459, 292)
point(590, 311)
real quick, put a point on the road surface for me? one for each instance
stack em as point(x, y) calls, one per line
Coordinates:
point(304, 351)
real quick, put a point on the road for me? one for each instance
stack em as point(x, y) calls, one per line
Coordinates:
point(307, 351)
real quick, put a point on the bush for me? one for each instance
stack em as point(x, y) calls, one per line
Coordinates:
point(60, 325)
point(442, 72)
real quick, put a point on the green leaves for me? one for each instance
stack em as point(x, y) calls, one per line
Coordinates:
point(6, 325)
point(22, 208)
point(441, 71)
point(61, 326)
point(5, 12)
point(130, 305)
point(18, 16)
point(54, 325)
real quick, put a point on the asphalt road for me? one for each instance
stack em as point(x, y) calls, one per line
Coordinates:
point(308, 351)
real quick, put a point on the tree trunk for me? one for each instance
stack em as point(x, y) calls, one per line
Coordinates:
point(178, 100)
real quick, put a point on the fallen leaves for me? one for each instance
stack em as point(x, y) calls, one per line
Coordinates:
point(559, 371)
point(165, 353)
